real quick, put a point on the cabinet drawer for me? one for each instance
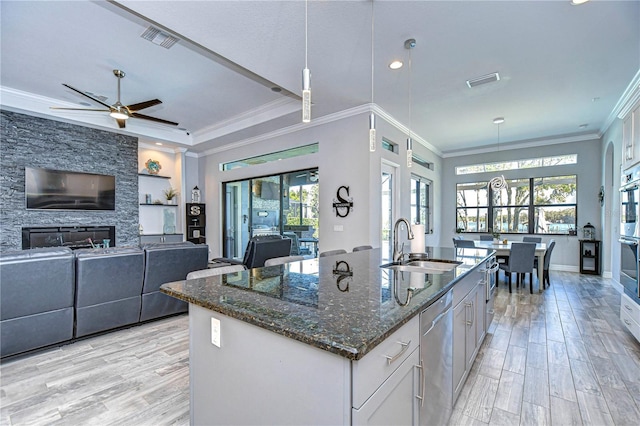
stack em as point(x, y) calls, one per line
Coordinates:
point(376, 366)
point(628, 322)
point(631, 308)
point(395, 402)
point(466, 284)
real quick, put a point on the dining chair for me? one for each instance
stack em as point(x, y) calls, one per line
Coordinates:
point(296, 248)
point(282, 260)
point(546, 263)
point(463, 243)
point(531, 239)
point(202, 273)
point(486, 237)
point(520, 261)
point(360, 248)
point(332, 252)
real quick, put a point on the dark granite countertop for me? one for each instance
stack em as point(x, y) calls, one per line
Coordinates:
point(344, 304)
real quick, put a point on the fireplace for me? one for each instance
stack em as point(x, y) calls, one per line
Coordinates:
point(74, 237)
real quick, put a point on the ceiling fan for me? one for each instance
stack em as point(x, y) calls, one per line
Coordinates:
point(119, 111)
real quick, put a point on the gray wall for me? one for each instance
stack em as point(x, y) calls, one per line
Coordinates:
point(343, 159)
point(36, 142)
point(611, 147)
point(588, 171)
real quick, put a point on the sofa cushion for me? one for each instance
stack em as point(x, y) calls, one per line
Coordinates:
point(44, 277)
point(165, 263)
point(35, 331)
point(106, 275)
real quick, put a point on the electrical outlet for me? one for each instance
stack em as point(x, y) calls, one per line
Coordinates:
point(215, 331)
point(338, 228)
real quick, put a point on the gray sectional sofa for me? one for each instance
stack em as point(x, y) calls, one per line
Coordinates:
point(53, 295)
point(37, 290)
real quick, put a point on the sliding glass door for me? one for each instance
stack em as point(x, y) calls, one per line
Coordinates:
point(285, 204)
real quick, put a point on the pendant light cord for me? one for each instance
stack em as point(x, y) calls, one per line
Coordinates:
point(372, 50)
point(306, 5)
point(410, 93)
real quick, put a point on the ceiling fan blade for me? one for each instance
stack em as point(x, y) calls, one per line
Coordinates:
point(143, 105)
point(84, 94)
point(159, 120)
point(81, 109)
point(121, 123)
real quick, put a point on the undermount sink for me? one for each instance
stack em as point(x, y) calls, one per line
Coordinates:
point(434, 264)
point(423, 266)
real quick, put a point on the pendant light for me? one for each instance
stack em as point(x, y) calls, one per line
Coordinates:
point(409, 45)
point(372, 116)
point(498, 183)
point(306, 74)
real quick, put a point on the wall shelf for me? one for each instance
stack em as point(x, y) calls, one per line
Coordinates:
point(158, 205)
point(154, 176)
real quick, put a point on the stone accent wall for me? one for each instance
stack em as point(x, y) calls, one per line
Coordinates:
point(37, 142)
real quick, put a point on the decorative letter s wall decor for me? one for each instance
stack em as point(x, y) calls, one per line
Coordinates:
point(343, 204)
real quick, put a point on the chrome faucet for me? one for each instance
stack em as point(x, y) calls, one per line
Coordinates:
point(397, 253)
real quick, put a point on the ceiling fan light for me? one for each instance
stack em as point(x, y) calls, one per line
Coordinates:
point(118, 115)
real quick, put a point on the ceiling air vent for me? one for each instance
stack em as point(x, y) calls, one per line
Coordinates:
point(483, 79)
point(158, 37)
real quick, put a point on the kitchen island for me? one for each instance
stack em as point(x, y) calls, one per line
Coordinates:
point(312, 341)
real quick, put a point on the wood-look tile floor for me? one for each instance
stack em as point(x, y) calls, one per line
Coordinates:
point(561, 357)
point(557, 357)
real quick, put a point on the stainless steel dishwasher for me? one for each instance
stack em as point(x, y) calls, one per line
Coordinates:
point(436, 360)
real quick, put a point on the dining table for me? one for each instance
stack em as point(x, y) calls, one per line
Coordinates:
point(504, 249)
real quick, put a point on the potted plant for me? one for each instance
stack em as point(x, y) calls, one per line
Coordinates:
point(171, 195)
point(496, 237)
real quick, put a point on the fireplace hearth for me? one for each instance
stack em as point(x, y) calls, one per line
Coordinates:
point(74, 237)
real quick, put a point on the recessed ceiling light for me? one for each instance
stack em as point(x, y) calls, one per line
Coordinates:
point(584, 126)
point(578, 2)
point(396, 65)
point(276, 89)
point(159, 143)
point(498, 120)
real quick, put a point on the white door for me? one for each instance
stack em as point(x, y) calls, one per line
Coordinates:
point(387, 192)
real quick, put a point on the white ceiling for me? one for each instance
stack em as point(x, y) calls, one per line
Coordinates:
point(553, 59)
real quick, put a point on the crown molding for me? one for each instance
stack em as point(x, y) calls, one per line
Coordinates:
point(320, 121)
point(529, 143)
point(253, 117)
point(629, 98)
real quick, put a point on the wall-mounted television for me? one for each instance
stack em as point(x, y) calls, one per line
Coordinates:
point(65, 190)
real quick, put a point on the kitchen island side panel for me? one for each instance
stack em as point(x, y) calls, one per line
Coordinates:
point(260, 377)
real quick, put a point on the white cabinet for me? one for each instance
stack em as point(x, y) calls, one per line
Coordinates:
point(394, 402)
point(469, 326)
point(631, 138)
point(160, 238)
point(385, 384)
point(630, 315)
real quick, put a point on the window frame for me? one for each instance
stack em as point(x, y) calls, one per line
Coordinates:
point(531, 207)
point(428, 184)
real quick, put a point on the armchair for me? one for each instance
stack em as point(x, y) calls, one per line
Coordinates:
point(259, 249)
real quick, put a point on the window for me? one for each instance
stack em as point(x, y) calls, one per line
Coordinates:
point(389, 146)
point(420, 201)
point(558, 160)
point(472, 209)
point(274, 156)
point(544, 205)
